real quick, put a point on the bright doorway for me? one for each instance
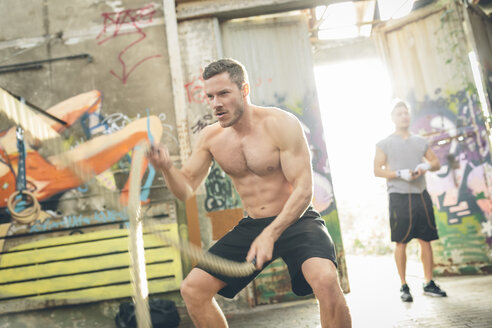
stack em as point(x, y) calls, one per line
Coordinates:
point(354, 99)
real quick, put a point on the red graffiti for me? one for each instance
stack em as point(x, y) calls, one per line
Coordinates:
point(195, 91)
point(125, 23)
point(260, 81)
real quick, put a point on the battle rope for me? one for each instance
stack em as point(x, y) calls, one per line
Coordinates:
point(136, 247)
point(52, 141)
point(206, 260)
point(40, 130)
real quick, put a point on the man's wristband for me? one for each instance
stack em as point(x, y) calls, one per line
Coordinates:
point(398, 174)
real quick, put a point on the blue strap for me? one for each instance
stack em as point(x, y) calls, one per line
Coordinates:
point(148, 183)
point(20, 183)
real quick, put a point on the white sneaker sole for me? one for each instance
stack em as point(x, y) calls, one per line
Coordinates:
point(434, 295)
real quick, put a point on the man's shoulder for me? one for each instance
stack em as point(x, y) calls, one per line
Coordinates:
point(210, 131)
point(211, 127)
point(385, 139)
point(276, 115)
point(272, 111)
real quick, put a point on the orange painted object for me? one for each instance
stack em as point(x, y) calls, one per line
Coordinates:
point(71, 109)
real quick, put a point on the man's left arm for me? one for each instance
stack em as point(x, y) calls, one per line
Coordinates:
point(295, 160)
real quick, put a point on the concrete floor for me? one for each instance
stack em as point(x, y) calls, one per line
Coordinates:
point(374, 301)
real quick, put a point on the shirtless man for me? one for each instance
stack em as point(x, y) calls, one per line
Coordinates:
point(265, 153)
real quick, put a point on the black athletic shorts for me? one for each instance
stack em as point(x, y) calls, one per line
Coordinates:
point(304, 239)
point(412, 216)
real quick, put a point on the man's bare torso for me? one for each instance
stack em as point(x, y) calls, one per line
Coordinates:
point(252, 160)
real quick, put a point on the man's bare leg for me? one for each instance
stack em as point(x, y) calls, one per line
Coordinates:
point(427, 259)
point(198, 291)
point(321, 274)
point(401, 261)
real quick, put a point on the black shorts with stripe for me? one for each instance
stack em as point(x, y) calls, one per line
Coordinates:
point(412, 216)
point(305, 238)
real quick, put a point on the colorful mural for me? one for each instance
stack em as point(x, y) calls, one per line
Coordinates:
point(435, 73)
point(460, 192)
point(43, 173)
point(79, 230)
point(308, 113)
point(221, 194)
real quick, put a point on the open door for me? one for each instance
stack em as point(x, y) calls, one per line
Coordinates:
point(277, 54)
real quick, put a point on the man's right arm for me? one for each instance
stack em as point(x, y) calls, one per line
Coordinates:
point(380, 168)
point(182, 182)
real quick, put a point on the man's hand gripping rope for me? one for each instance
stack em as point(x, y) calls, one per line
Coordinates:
point(206, 260)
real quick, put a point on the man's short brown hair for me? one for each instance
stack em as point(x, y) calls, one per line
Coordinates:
point(236, 70)
point(397, 103)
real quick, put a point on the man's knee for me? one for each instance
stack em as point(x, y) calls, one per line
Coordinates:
point(322, 276)
point(325, 283)
point(187, 289)
point(199, 286)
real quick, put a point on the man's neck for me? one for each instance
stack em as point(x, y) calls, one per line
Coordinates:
point(243, 125)
point(404, 133)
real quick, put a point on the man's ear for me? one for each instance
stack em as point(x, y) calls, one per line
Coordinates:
point(245, 89)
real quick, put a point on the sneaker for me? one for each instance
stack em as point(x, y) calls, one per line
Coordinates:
point(405, 293)
point(432, 289)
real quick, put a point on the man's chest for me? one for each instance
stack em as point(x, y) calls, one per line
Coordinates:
point(404, 150)
point(238, 157)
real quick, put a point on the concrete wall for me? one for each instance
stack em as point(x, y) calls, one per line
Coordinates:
point(104, 97)
point(129, 57)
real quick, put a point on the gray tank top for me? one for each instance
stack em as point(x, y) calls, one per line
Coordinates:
point(404, 154)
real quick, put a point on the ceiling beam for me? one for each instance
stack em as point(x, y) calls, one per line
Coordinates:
point(226, 9)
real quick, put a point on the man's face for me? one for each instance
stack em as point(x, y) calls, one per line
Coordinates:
point(401, 117)
point(226, 99)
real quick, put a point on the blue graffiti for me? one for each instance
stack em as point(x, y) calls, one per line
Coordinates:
point(74, 221)
point(220, 192)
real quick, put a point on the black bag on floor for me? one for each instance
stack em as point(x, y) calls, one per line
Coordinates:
point(163, 314)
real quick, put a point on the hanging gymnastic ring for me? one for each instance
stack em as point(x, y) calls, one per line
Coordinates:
point(28, 215)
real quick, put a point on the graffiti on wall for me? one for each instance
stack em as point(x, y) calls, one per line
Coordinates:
point(220, 192)
point(202, 122)
point(105, 150)
point(456, 132)
point(307, 111)
point(120, 24)
point(195, 90)
point(75, 227)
